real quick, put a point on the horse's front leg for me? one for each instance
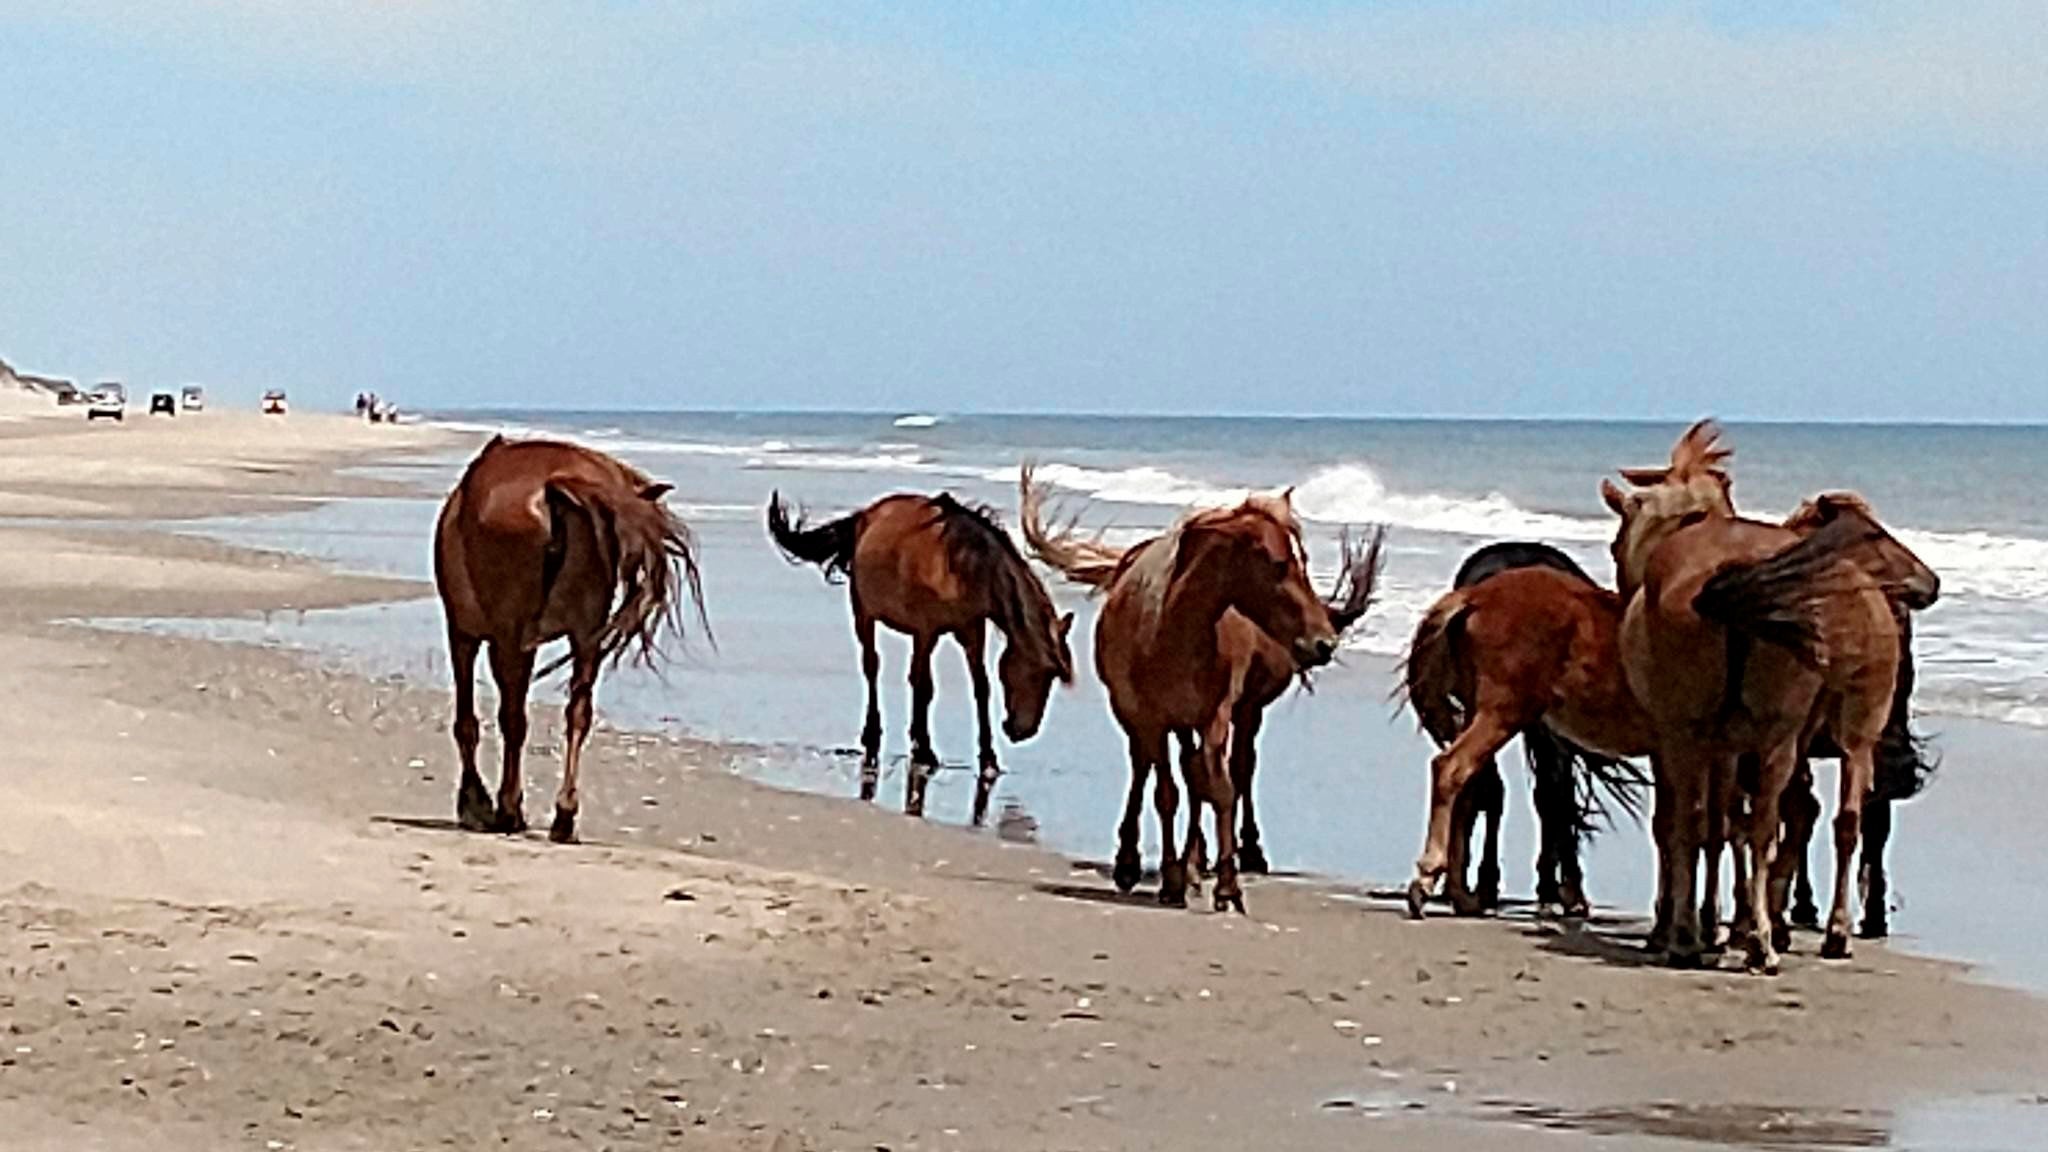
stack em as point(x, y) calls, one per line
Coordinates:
point(1222, 797)
point(472, 797)
point(923, 761)
point(512, 668)
point(974, 642)
point(582, 686)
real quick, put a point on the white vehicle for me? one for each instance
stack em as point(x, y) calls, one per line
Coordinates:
point(109, 401)
point(193, 397)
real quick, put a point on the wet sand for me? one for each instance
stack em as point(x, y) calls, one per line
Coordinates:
point(237, 917)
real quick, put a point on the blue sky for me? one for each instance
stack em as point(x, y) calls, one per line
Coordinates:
point(1763, 210)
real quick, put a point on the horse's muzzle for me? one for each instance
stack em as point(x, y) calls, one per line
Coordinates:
point(1314, 652)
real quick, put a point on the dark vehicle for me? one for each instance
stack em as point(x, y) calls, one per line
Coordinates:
point(163, 404)
point(274, 402)
point(109, 401)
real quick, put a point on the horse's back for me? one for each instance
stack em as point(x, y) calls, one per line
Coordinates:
point(901, 572)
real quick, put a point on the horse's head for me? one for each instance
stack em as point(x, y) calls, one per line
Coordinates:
point(1029, 667)
point(1694, 486)
point(1254, 553)
point(1906, 578)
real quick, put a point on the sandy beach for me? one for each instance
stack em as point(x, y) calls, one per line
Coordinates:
point(237, 917)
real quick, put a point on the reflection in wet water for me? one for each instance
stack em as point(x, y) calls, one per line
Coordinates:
point(1015, 825)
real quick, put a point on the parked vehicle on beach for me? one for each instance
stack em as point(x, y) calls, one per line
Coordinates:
point(274, 402)
point(163, 404)
point(109, 401)
point(193, 398)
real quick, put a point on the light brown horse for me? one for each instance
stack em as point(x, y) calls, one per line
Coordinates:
point(1158, 651)
point(1264, 669)
point(1744, 638)
point(931, 567)
point(541, 541)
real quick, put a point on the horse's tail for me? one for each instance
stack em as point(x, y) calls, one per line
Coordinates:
point(1779, 599)
point(1357, 578)
point(1090, 562)
point(1903, 760)
point(1600, 785)
point(828, 545)
point(1431, 676)
point(654, 563)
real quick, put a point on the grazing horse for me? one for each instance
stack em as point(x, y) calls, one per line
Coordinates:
point(1265, 669)
point(931, 567)
point(541, 541)
point(1158, 652)
point(1742, 638)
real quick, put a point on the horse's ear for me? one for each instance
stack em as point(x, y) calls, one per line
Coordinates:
point(1616, 499)
point(1066, 625)
point(1287, 495)
point(655, 492)
point(1645, 477)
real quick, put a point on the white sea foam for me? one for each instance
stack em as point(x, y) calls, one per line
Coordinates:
point(917, 420)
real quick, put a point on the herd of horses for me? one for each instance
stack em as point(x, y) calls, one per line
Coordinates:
point(1732, 653)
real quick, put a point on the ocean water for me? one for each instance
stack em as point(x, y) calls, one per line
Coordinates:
point(1343, 783)
point(1965, 498)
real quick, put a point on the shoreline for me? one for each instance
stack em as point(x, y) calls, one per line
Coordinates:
point(831, 975)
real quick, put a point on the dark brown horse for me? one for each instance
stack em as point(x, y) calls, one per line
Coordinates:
point(1741, 639)
point(1158, 651)
point(543, 541)
point(1263, 668)
point(931, 567)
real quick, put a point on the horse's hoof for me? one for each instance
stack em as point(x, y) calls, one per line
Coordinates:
point(1465, 904)
point(1806, 916)
point(1487, 892)
point(1684, 958)
point(1760, 960)
point(1127, 873)
point(563, 830)
point(867, 790)
point(475, 811)
point(1875, 928)
point(1252, 858)
point(1229, 901)
point(1173, 885)
point(1573, 901)
point(1172, 898)
point(1781, 937)
point(508, 822)
point(1835, 947)
point(1418, 896)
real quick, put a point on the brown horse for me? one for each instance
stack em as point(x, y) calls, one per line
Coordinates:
point(1264, 669)
point(1158, 651)
point(1743, 638)
point(541, 541)
point(931, 567)
point(1532, 649)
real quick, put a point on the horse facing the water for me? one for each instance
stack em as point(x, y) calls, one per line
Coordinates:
point(930, 567)
point(541, 541)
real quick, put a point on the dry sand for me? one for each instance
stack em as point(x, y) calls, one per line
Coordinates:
point(235, 918)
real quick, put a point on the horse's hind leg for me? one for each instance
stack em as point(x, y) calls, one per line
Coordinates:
point(1877, 832)
point(974, 642)
point(472, 797)
point(1197, 850)
point(1244, 763)
point(922, 759)
point(1449, 773)
point(1857, 769)
point(1173, 876)
point(1492, 804)
point(1480, 798)
point(1776, 769)
point(582, 685)
point(1130, 867)
point(512, 668)
point(1559, 884)
point(871, 730)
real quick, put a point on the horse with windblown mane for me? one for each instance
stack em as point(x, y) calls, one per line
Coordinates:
point(1741, 639)
point(932, 567)
point(1159, 648)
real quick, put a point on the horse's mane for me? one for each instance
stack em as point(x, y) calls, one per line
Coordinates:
point(1152, 567)
point(984, 555)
